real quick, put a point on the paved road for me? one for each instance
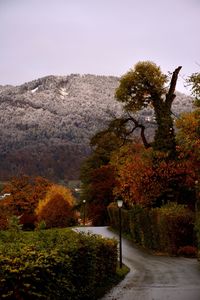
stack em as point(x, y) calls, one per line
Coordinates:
point(153, 277)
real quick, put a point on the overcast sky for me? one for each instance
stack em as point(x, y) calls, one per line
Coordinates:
point(102, 37)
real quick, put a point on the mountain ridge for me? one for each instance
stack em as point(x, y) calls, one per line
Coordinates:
point(46, 124)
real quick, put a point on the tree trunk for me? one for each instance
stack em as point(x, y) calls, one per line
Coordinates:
point(164, 139)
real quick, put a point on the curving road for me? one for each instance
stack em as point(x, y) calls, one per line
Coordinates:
point(153, 277)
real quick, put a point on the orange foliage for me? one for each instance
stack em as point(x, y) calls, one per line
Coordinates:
point(56, 208)
point(145, 176)
point(25, 194)
point(188, 138)
point(4, 214)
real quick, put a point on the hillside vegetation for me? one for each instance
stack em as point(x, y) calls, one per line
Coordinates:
point(46, 124)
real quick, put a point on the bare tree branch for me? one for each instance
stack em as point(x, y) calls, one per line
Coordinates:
point(170, 96)
point(136, 125)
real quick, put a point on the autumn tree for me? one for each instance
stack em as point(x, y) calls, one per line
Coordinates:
point(102, 144)
point(101, 194)
point(145, 86)
point(56, 208)
point(25, 192)
point(188, 135)
point(188, 124)
point(140, 181)
point(148, 174)
point(194, 83)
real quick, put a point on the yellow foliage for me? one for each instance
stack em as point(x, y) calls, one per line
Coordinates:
point(55, 189)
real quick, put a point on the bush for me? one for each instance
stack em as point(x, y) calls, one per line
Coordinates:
point(113, 215)
point(97, 213)
point(113, 212)
point(176, 227)
point(55, 264)
point(4, 217)
point(163, 229)
point(187, 251)
point(197, 228)
point(135, 228)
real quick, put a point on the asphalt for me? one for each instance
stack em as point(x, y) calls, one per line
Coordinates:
point(153, 277)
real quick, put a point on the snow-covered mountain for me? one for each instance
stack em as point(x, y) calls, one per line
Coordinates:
point(46, 124)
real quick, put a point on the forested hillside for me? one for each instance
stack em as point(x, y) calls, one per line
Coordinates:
point(46, 124)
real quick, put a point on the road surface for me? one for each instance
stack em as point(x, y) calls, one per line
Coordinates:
point(153, 277)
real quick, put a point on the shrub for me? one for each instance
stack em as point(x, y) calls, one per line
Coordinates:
point(113, 215)
point(28, 221)
point(113, 212)
point(97, 213)
point(135, 228)
point(176, 227)
point(3, 221)
point(197, 228)
point(163, 229)
point(188, 251)
point(5, 214)
point(55, 264)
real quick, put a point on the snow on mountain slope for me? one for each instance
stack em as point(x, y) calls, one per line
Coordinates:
point(46, 124)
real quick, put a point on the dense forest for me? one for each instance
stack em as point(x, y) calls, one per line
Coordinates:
point(46, 124)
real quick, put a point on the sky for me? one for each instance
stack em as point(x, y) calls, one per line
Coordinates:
point(101, 37)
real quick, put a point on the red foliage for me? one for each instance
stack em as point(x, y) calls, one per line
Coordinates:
point(103, 182)
point(28, 221)
point(146, 176)
point(97, 213)
point(188, 251)
point(25, 194)
point(101, 194)
point(5, 214)
point(3, 220)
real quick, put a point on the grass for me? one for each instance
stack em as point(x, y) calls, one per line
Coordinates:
point(112, 282)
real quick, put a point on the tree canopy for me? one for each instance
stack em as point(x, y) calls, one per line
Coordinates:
point(141, 86)
point(144, 86)
point(154, 173)
point(194, 82)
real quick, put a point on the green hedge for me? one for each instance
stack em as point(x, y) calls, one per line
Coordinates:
point(197, 227)
point(175, 227)
point(54, 264)
point(113, 212)
point(165, 229)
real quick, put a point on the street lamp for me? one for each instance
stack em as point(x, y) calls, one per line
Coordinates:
point(84, 202)
point(119, 204)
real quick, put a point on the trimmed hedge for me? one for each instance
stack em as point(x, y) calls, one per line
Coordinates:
point(197, 227)
point(54, 264)
point(165, 229)
point(113, 212)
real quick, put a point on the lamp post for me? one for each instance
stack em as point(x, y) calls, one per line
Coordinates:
point(84, 202)
point(119, 204)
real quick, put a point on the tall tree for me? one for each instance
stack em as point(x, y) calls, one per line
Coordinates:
point(144, 86)
point(25, 193)
point(140, 181)
point(188, 135)
point(194, 83)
